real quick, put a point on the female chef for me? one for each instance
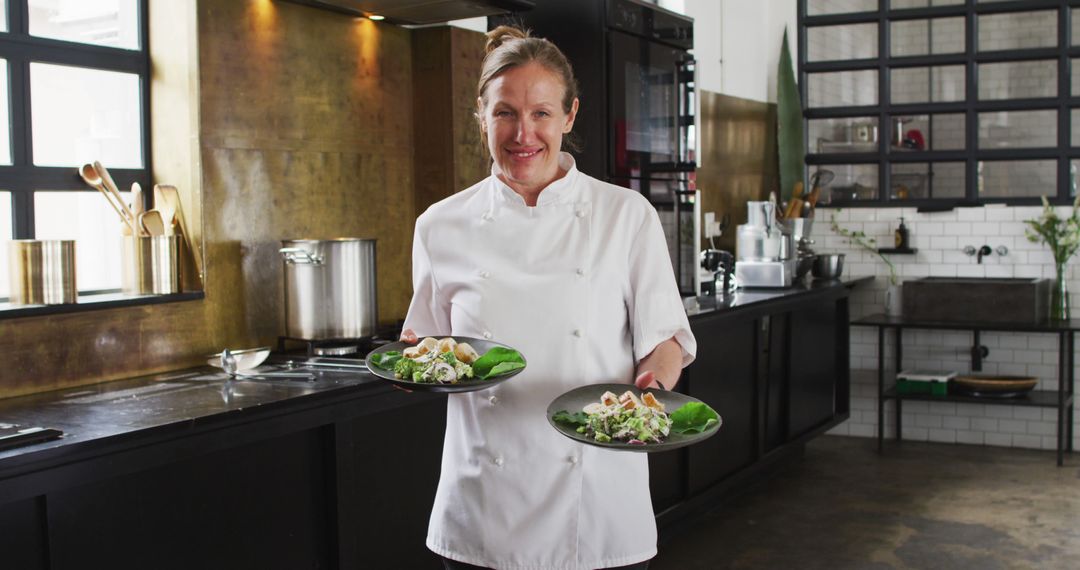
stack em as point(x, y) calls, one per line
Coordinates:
point(575, 274)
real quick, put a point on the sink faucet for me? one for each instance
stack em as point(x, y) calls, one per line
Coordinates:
point(984, 250)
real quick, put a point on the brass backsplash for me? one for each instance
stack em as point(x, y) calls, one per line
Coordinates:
point(739, 161)
point(276, 121)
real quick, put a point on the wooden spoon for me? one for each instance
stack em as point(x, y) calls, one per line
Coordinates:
point(137, 206)
point(151, 221)
point(90, 175)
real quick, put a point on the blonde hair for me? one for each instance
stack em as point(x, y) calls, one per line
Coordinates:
point(509, 47)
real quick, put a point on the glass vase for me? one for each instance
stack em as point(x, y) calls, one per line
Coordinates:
point(1059, 296)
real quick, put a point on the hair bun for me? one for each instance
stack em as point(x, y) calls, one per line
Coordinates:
point(503, 34)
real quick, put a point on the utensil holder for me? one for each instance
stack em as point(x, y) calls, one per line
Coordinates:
point(42, 272)
point(151, 265)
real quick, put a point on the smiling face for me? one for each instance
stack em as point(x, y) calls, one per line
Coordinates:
point(524, 121)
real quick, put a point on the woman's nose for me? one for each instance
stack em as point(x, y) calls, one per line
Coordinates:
point(525, 130)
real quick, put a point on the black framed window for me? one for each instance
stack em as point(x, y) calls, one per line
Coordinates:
point(942, 102)
point(74, 88)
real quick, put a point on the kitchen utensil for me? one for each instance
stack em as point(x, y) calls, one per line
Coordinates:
point(151, 221)
point(166, 195)
point(42, 272)
point(329, 288)
point(481, 346)
point(997, 385)
point(576, 399)
point(828, 266)
point(236, 363)
point(150, 265)
point(107, 181)
point(91, 177)
point(137, 205)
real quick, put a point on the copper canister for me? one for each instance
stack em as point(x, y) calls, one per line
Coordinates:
point(42, 272)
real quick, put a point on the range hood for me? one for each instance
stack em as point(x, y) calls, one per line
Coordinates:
point(419, 12)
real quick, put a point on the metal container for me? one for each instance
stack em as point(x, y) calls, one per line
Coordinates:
point(151, 265)
point(329, 288)
point(828, 266)
point(42, 272)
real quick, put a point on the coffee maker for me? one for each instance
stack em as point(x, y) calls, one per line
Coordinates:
point(763, 248)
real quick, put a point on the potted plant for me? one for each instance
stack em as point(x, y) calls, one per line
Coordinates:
point(1062, 235)
point(860, 239)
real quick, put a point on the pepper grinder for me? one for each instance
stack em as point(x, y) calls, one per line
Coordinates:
point(900, 236)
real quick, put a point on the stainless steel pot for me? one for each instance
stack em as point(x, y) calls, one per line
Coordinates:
point(329, 288)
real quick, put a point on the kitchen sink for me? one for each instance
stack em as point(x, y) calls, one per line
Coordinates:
point(982, 299)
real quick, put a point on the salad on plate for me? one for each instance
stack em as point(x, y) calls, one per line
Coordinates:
point(447, 361)
point(636, 420)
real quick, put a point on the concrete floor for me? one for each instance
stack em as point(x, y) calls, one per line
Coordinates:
point(918, 505)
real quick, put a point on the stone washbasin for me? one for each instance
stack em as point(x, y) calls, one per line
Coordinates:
point(980, 299)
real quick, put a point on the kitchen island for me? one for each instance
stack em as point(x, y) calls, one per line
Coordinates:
point(186, 470)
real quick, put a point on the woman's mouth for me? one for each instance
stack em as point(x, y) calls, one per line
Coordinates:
point(524, 154)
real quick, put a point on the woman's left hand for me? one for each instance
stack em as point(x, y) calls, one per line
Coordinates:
point(647, 380)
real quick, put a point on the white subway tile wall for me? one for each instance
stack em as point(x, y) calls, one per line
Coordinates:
point(940, 237)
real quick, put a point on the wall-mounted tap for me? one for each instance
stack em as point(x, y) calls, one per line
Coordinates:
point(983, 251)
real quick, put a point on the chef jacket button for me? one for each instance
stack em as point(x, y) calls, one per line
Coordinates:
point(487, 217)
point(572, 459)
point(580, 272)
point(485, 274)
point(494, 400)
point(578, 333)
point(487, 335)
point(498, 461)
point(579, 213)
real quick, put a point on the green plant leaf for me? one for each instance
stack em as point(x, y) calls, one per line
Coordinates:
point(693, 417)
point(790, 142)
point(386, 360)
point(575, 419)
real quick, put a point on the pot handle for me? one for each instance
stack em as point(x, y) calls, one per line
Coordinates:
point(298, 255)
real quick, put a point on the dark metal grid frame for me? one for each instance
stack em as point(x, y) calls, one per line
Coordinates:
point(1063, 103)
point(22, 178)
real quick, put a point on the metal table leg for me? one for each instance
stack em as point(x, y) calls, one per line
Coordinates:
point(880, 388)
point(899, 332)
point(1071, 394)
point(1063, 376)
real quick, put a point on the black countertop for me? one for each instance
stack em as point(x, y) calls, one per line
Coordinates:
point(184, 401)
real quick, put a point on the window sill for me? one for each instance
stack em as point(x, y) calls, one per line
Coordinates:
point(94, 302)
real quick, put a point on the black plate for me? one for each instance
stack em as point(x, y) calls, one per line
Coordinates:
point(576, 399)
point(480, 345)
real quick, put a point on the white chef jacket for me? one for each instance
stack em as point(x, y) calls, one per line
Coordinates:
point(582, 285)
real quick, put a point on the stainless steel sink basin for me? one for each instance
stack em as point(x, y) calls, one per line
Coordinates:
point(981, 299)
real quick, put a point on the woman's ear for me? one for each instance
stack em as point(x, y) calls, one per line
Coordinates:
point(480, 114)
point(571, 116)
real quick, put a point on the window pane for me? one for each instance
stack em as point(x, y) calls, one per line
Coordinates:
point(5, 237)
point(927, 132)
point(1017, 178)
point(853, 182)
point(1074, 132)
point(1074, 87)
point(113, 23)
point(88, 219)
point(818, 7)
point(924, 37)
point(828, 43)
point(1074, 14)
point(3, 28)
point(851, 134)
point(902, 4)
point(5, 115)
point(1018, 129)
point(80, 115)
point(843, 88)
point(1018, 30)
point(927, 84)
point(1018, 80)
point(913, 181)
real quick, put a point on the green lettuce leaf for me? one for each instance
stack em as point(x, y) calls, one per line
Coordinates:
point(496, 362)
point(386, 360)
point(694, 417)
point(575, 419)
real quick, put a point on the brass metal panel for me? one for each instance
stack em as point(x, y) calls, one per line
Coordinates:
point(739, 160)
point(471, 163)
point(275, 121)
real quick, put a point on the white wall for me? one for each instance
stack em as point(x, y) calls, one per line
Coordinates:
point(737, 44)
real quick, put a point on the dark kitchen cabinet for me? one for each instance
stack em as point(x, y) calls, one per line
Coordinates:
point(777, 375)
point(723, 376)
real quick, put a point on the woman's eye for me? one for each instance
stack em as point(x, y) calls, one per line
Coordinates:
point(543, 114)
point(502, 113)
